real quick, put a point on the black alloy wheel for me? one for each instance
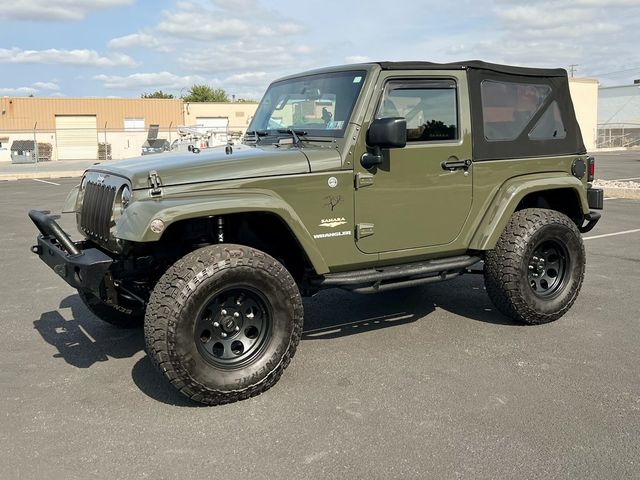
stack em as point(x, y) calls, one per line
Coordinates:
point(233, 327)
point(547, 268)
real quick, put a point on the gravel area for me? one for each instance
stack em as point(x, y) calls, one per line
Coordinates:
point(616, 184)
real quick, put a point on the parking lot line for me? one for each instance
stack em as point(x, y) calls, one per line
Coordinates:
point(612, 234)
point(45, 181)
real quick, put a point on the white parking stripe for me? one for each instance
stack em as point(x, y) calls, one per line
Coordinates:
point(612, 234)
point(45, 181)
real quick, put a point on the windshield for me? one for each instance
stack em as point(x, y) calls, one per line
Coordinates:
point(318, 105)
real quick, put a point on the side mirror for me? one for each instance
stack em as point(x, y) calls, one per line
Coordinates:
point(387, 133)
point(384, 133)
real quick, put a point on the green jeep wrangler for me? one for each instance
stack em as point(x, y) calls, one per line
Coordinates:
point(367, 177)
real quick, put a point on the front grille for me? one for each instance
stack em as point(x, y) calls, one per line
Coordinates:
point(97, 205)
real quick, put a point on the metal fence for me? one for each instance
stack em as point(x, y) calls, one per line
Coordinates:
point(109, 144)
point(612, 135)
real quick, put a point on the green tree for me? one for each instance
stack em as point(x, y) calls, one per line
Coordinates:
point(205, 93)
point(157, 94)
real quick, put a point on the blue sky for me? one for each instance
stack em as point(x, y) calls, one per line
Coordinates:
point(123, 48)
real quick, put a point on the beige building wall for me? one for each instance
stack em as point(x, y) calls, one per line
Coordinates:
point(21, 115)
point(584, 94)
point(238, 113)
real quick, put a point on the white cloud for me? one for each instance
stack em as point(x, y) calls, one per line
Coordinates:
point(46, 10)
point(357, 59)
point(248, 78)
point(246, 56)
point(81, 57)
point(50, 88)
point(138, 40)
point(18, 92)
point(165, 80)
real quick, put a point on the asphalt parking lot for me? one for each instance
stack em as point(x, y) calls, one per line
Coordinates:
point(428, 382)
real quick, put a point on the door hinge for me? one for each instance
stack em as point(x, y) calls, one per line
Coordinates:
point(363, 179)
point(364, 230)
point(155, 183)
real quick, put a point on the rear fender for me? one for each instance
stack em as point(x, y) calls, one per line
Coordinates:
point(511, 194)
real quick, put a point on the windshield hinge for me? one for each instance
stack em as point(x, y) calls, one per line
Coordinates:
point(364, 230)
point(364, 179)
point(155, 184)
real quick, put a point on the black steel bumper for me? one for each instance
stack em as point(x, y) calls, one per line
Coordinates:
point(595, 197)
point(80, 265)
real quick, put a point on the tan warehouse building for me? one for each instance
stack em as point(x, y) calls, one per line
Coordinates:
point(79, 128)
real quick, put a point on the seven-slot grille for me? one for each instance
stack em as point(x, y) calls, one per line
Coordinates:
point(97, 208)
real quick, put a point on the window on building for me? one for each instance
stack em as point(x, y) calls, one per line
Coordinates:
point(133, 124)
point(429, 106)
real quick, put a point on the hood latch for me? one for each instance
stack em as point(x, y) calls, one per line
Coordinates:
point(155, 183)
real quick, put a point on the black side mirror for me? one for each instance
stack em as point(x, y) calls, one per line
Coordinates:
point(384, 133)
point(388, 133)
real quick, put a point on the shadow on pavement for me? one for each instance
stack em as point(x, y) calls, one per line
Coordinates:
point(155, 385)
point(84, 340)
point(338, 313)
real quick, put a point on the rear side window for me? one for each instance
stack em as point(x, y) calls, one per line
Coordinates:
point(429, 106)
point(550, 125)
point(507, 108)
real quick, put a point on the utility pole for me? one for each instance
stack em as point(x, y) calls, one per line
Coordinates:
point(572, 69)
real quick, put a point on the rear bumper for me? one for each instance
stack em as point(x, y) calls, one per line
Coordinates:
point(80, 265)
point(595, 197)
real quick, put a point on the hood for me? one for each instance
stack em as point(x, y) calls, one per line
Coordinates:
point(211, 164)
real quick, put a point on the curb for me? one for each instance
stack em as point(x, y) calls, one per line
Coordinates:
point(31, 175)
point(629, 193)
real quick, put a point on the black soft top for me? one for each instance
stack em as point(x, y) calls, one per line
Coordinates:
point(476, 65)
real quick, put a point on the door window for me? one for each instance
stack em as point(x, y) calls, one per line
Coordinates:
point(429, 107)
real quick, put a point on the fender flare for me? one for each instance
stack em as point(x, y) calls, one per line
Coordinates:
point(134, 225)
point(511, 194)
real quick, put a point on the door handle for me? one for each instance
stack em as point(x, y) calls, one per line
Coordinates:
point(455, 164)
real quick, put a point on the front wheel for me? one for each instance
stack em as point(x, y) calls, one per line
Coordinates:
point(223, 323)
point(535, 272)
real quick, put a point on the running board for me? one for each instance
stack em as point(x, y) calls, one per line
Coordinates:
point(380, 279)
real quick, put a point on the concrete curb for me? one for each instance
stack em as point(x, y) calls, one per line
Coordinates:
point(4, 177)
point(629, 193)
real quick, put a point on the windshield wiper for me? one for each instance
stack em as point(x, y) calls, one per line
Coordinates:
point(296, 134)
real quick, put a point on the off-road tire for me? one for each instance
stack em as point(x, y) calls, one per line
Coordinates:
point(175, 310)
point(507, 267)
point(117, 316)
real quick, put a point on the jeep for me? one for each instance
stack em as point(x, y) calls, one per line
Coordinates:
point(367, 177)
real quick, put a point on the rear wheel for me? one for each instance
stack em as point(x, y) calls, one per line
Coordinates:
point(223, 323)
point(535, 272)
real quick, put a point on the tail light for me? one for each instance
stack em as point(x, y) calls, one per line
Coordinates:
point(591, 168)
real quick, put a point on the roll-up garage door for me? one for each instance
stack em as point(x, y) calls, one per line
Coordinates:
point(76, 137)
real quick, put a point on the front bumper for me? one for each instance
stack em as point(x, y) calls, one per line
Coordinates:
point(80, 265)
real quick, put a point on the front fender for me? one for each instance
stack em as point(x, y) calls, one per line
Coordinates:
point(134, 224)
point(509, 196)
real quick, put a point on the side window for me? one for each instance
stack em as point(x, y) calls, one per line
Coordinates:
point(429, 106)
point(549, 126)
point(507, 108)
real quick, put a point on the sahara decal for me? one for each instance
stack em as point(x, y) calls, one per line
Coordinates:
point(332, 222)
